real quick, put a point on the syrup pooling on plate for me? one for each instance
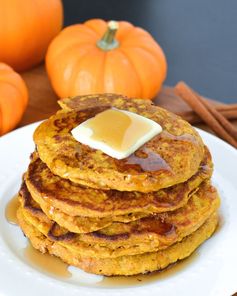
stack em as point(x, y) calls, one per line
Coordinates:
point(56, 267)
point(46, 263)
point(11, 209)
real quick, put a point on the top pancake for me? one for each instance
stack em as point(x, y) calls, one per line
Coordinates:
point(169, 158)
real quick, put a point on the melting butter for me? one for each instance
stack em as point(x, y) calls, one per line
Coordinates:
point(117, 133)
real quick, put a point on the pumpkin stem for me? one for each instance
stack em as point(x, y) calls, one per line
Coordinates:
point(108, 42)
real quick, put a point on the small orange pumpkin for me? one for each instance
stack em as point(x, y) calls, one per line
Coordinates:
point(99, 57)
point(13, 98)
point(26, 29)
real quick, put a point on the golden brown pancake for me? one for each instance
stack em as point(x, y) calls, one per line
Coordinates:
point(69, 204)
point(147, 234)
point(90, 101)
point(169, 158)
point(123, 265)
point(118, 217)
point(77, 224)
point(76, 200)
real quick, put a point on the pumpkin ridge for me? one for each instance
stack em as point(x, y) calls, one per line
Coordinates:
point(96, 33)
point(134, 69)
point(124, 36)
point(151, 91)
point(61, 52)
point(162, 61)
point(139, 32)
point(146, 50)
point(132, 34)
point(15, 87)
point(17, 112)
point(99, 35)
point(102, 72)
point(75, 73)
point(13, 98)
point(75, 28)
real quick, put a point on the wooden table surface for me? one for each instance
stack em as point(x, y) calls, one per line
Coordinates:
point(43, 100)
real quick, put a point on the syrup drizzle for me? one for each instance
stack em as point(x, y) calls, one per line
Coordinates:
point(118, 129)
point(147, 160)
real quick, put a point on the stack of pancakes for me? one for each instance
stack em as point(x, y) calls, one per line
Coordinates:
point(117, 217)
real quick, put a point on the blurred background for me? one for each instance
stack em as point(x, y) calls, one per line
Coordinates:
point(198, 37)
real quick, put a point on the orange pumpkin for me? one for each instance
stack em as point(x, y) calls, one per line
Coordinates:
point(98, 57)
point(26, 29)
point(13, 98)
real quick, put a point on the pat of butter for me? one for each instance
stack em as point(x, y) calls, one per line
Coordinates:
point(117, 133)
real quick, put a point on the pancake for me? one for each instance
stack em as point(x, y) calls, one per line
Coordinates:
point(69, 204)
point(117, 217)
point(78, 224)
point(90, 101)
point(76, 200)
point(147, 234)
point(55, 200)
point(124, 265)
point(169, 158)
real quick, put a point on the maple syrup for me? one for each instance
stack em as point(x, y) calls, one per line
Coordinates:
point(11, 209)
point(118, 129)
point(117, 133)
point(46, 262)
point(56, 267)
point(43, 262)
point(146, 160)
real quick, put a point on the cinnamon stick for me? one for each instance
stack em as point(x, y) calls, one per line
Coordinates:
point(192, 117)
point(229, 114)
point(209, 117)
point(222, 120)
point(227, 107)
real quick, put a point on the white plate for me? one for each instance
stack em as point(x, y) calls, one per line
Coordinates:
point(213, 272)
